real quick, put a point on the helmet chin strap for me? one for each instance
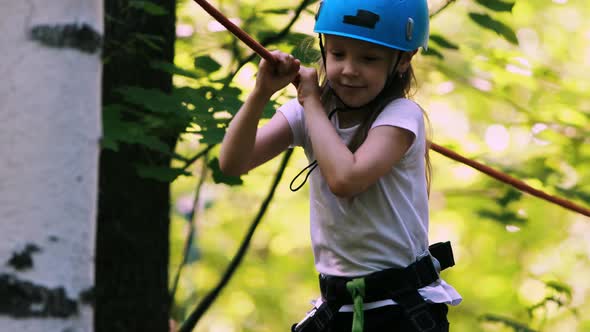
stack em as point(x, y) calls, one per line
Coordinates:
point(388, 82)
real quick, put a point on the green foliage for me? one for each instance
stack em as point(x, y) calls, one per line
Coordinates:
point(149, 7)
point(443, 42)
point(164, 174)
point(489, 23)
point(117, 130)
point(206, 64)
point(514, 325)
point(174, 70)
point(497, 5)
point(219, 177)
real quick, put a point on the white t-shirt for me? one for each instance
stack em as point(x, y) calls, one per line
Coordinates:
point(387, 225)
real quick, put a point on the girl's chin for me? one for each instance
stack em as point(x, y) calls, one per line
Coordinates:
point(354, 102)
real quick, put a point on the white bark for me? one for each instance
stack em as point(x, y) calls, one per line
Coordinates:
point(49, 145)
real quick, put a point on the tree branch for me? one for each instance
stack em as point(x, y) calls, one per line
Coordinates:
point(441, 8)
point(194, 317)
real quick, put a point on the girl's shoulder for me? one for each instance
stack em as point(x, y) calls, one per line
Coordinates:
point(291, 105)
point(402, 108)
point(292, 110)
point(403, 104)
point(403, 113)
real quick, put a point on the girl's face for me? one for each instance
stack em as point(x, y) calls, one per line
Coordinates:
point(357, 70)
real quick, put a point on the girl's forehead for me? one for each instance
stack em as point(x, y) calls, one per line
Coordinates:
point(339, 41)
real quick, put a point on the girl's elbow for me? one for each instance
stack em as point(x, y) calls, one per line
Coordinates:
point(343, 188)
point(230, 169)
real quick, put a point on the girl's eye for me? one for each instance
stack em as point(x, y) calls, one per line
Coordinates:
point(371, 58)
point(337, 54)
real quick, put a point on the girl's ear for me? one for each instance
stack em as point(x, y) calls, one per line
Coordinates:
point(405, 61)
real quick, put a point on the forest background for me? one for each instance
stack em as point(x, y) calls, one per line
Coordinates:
point(503, 82)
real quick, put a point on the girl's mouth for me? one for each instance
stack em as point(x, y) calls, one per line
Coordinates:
point(351, 86)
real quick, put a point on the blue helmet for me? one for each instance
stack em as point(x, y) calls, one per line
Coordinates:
point(398, 24)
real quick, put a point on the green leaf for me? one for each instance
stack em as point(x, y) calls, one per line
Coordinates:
point(107, 142)
point(560, 287)
point(163, 174)
point(206, 64)
point(307, 57)
point(266, 34)
point(485, 21)
point(303, 48)
point(219, 177)
point(512, 195)
point(117, 131)
point(269, 110)
point(442, 42)
point(150, 40)
point(226, 99)
point(503, 217)
point(151, 99)
point(173, 69)
point(516, 326)
point(113, 128)
point(149, 7)
point(497, 5)
point(432, 52)
point(212, 135)
point(277, 11)
point(575, 193)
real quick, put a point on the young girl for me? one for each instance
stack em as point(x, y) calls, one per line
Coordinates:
point(369, 197)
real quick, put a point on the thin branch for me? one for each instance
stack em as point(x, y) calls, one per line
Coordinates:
point(194, 317)
point(279, 36)
point(191, 231)
point(198, 155)
point(441, 8)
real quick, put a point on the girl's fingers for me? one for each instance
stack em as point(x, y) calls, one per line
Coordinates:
point(308, 73)
point(297, 80)
point(285, 63)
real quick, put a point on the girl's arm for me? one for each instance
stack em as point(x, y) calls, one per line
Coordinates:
point(245, 146)
point(347, 173)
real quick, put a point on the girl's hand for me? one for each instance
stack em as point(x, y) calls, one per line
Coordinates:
point(308, 87)
point(273, 77)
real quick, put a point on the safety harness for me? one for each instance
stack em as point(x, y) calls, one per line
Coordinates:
point(398, 284)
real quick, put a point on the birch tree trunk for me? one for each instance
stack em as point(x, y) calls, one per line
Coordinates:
point(50, 92)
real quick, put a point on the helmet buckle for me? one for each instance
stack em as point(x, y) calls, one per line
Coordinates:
point(409, 29)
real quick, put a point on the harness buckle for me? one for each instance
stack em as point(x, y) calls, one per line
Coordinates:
point(421, 317)
point(317, 320)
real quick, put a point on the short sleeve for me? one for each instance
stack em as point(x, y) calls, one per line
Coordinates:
point(406, 114)
point(293, 112)
point(402, 113)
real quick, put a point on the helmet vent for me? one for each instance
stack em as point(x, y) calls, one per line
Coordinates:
point(363, 18)
point(409, 29)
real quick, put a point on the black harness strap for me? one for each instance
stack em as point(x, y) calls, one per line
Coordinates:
point(400, 285)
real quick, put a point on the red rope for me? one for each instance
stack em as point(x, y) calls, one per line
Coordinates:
point(237, 31)
point(510, 180)
point(264, 53)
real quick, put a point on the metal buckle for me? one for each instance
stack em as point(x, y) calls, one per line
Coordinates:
point(421, 317)
point(316, 320)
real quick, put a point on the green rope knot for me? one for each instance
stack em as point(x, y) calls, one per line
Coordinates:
point(356, 288)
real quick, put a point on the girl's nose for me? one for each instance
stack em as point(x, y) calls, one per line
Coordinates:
point(349, 68)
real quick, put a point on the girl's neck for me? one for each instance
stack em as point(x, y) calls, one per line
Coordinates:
point(348, 119)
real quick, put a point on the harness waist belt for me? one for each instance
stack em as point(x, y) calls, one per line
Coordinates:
point(387, 283)
point(398, 284)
